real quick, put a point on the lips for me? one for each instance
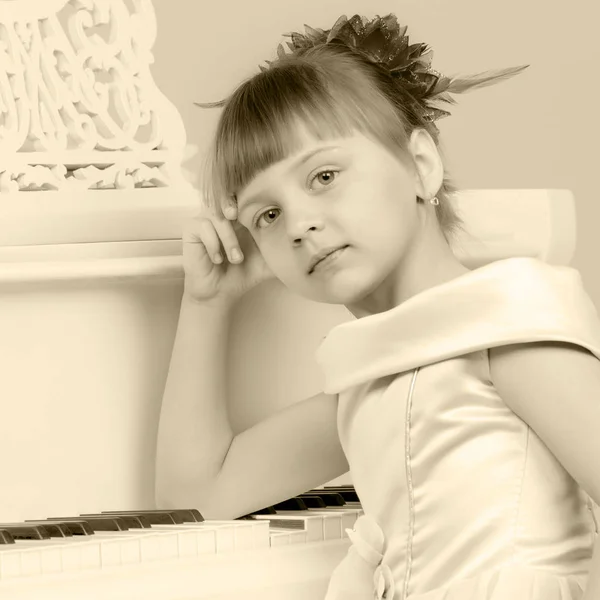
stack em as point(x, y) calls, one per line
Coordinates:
point(325, 256)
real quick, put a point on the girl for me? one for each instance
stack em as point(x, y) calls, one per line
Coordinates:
point(465, 402)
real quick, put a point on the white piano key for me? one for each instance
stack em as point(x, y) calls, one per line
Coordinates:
point(10, 562)
point(229, 536)
point(298, 571)
point(285, 537)
point(27, 558)
point(24, 559)
point(336, 519)
point(182, 540)
point(72, 554)
point(187, 539)
point(332, 527)
point(143, 545)
point(31, 563)
point(162, 544)
point(51, 560)
point(131, 552)
point(53, 555)
point(139, 546)
point(348, 515)
point(312, 524)
point(249, 534)
point(279, 537)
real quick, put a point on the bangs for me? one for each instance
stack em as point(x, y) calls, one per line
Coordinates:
point(262, 122)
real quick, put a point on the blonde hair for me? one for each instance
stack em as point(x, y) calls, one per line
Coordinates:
point(333, 90)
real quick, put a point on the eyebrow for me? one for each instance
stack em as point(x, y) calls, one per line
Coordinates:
point(303, 159)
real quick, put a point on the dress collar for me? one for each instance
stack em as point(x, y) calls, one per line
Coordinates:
point(508, 301)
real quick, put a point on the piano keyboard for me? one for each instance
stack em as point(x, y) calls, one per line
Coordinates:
point(285, 551)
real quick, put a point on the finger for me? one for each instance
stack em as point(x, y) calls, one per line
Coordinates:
point(231, 243)
point(209, 237)
point(229, 207)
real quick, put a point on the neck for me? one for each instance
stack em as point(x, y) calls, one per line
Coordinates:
point(429, 262)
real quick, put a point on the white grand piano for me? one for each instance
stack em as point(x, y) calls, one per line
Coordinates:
point(92, 200)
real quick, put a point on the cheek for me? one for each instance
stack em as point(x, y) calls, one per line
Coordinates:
point(277, 260)
point(386, 233)
point(382, 221)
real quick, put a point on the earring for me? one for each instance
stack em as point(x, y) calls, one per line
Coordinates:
point(433, 201)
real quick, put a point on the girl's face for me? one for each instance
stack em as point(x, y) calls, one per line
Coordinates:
point(348, 192)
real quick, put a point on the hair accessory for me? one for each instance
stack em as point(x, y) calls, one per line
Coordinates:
point(386, 43)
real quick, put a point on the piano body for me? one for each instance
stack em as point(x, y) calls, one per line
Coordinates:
point(92, 200)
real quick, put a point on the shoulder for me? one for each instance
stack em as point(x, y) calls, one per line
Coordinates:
point(551, 359)
point(521, 368)
point(555, 388)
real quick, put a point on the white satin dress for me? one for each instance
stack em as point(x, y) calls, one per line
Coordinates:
point(462, 500)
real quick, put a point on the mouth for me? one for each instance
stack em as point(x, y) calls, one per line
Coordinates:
point(328, 258)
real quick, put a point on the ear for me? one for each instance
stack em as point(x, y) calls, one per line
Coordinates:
point(429, 169)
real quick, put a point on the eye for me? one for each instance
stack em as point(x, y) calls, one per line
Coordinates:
point(271, 210)
point(329, 172)
point(256, 223)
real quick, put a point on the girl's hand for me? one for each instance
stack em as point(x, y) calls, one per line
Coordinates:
point(208, 236)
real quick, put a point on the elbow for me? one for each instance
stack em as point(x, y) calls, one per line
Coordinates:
point(172, 492)
point(169, 494)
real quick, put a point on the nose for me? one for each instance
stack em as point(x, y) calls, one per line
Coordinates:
point(303, 215)
point(299, 225)
point(298, 238)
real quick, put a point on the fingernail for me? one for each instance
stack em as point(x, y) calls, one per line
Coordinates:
point(218, 258)
point(236, 254)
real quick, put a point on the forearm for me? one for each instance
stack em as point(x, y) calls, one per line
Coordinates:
point(194, 433)
point(592, 589)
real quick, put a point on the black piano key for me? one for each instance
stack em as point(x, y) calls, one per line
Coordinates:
point(6, 537)
point(54, 529)
point(319, 499)
point(22, 531)
point(76, 527)
point(291, 504)
point(348, 494)
point(333, 488)
point(158, 517)
point(312, 501)
point(132, 521)
point(97, 523)
point(155, 517)
point(330, 499)
point(187, 515)
point(269, 510)
point(287, 523)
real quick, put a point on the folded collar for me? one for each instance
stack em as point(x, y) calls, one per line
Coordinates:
point(508, 301)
